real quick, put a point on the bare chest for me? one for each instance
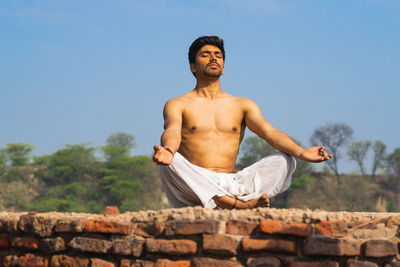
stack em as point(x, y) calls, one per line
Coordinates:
point(216, 117)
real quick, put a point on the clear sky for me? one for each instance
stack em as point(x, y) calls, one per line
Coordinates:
point(77, 71)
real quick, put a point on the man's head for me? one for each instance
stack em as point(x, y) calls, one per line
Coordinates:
point(209, 48)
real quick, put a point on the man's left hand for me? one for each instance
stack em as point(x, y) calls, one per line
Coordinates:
point(315, 154)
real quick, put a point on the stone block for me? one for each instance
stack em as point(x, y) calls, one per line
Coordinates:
point(71, 226)
point(190, 228)
point(220, 245)
point(51, 245)
point(67, 261)
point(331, 228)
point(329, 246)
point(31, 260)
point(263, 262)
point(86, 244)
point(149, 229)
point(109, 227)
point(356, 263)
point(95, 262)
point(209, 262)
point(269, 245)
point(169, 263)
point(171, 247)
point(8, 225)
point(128, 247)
point(314, 264)
point(26, 243)
point(111, 211)
point(235, 227)
point(380, 248)
point(281, 227)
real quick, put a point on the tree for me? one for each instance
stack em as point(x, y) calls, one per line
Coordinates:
point(357, 152)
point(18, 153)
point(393, 170)
point(333, 137)
point(379, 149)
point(118, 145)
point(3, 161)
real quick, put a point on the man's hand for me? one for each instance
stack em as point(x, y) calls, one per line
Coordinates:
point(162, 156)
point(315, 154)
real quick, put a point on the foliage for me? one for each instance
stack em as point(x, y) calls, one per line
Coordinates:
point(118, 145)
point(41, 160)
point(393, 163)
point(357, 152)
point(379, 149)
point(333, 137)
point(18, 153)
point(253, 149)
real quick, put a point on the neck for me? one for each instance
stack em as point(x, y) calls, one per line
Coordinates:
point(208, 88)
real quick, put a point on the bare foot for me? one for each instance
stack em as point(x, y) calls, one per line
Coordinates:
point(261, 201)
point(227, 202)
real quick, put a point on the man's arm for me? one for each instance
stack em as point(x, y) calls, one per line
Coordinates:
point(278, 139)
point(171, 137)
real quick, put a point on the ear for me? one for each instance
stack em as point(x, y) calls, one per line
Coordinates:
point(192, 68)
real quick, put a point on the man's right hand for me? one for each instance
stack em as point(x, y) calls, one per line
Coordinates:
point(162, 156)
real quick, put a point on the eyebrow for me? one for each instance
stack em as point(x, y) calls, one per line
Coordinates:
point(208, 51)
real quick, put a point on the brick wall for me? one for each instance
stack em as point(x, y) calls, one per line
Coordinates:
point(200, 237)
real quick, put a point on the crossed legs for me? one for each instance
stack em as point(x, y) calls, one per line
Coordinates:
point(227, 202)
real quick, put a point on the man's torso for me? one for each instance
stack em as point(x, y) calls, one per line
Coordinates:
point(212, 130)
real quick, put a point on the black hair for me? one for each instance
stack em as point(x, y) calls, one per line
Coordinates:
point(202, 41)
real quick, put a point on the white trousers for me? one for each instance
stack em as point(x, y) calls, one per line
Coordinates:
point(189, 185)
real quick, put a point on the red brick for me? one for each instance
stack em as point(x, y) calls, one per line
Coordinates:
point(67, 261)
point(240, 227)
point(149, 229)
point(73, 226)
point(31, 260)
point(101, 263)
point(128, 247)
point(110, 227)
point(209, 262)
point(263, 262)
point(86, 244)
point(281, 227)
point(329, 246)
point(171, 247)
point(220, 245)
point(4, 243)
point(51, 245)
point(190, 228)
point(356, 263)
point(380, 248)
point(111, 211)
point(314, 264)
point(269, 245)
point(331, 228)
point(28, 243)
point(168, 263)
point(37, 225)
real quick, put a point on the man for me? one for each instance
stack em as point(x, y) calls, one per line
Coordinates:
point(200, 143)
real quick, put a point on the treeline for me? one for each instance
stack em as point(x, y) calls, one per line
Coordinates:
point(73, 179)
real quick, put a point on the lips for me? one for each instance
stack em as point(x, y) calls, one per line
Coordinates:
point(213, 65)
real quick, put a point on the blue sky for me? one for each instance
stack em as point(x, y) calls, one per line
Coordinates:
point(77, 71)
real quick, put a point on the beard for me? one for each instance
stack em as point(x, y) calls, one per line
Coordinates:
point(213, 73)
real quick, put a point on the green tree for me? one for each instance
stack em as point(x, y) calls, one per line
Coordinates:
point(393, 170)
point(118, 145)
point(357, 151)
point(333, 137)
point(18, 153)
point(3, 161)
point(379, 149)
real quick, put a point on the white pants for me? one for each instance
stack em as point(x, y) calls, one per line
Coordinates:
point(189, 185)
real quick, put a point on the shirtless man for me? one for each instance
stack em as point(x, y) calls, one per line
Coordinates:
point(206, 127)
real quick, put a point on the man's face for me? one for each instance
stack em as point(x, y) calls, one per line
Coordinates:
point(209, 62)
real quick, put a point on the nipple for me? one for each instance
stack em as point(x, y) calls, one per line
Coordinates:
point(194, 127)
point(234, 128)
